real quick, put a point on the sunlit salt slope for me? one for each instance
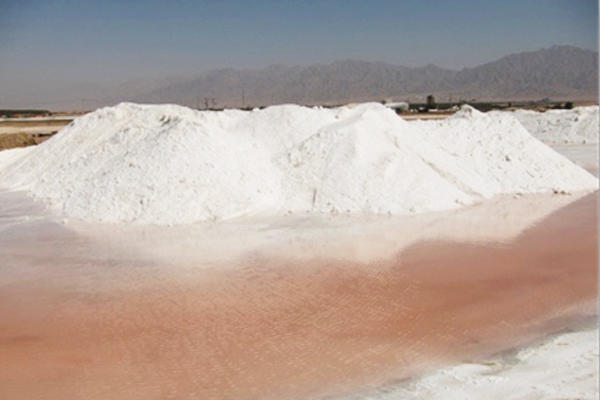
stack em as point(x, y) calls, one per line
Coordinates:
point(166, 164)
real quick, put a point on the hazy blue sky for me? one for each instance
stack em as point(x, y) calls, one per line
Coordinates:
point(54, 42)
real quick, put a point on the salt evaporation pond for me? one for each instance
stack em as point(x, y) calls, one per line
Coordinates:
point(290, 307)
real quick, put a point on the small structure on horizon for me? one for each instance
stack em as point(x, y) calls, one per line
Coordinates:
point(431, 102)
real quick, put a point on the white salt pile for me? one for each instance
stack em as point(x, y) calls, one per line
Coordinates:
point(166, 164)
point(576, 126)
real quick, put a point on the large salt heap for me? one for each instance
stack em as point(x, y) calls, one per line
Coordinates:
point(150, 164)
point(576, 126)
point(167, 164)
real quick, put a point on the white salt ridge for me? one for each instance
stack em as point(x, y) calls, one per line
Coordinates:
point(166, 164)
point(577, 126)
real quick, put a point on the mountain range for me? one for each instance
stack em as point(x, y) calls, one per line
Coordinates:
point(558, 72)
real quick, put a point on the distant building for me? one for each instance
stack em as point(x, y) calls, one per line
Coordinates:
point(431, 102)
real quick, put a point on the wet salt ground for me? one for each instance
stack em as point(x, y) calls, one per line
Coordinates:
point(564, 366)
point(292, 308)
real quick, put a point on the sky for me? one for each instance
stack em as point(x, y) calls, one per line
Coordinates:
point(57, 43)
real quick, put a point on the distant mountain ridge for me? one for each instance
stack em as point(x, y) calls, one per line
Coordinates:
point(558, 72)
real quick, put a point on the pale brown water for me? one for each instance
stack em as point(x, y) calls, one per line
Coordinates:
point(284, 327)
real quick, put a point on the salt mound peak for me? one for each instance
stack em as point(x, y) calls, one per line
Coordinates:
point(467, 111)
point(167, 164)
point(365, 163)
